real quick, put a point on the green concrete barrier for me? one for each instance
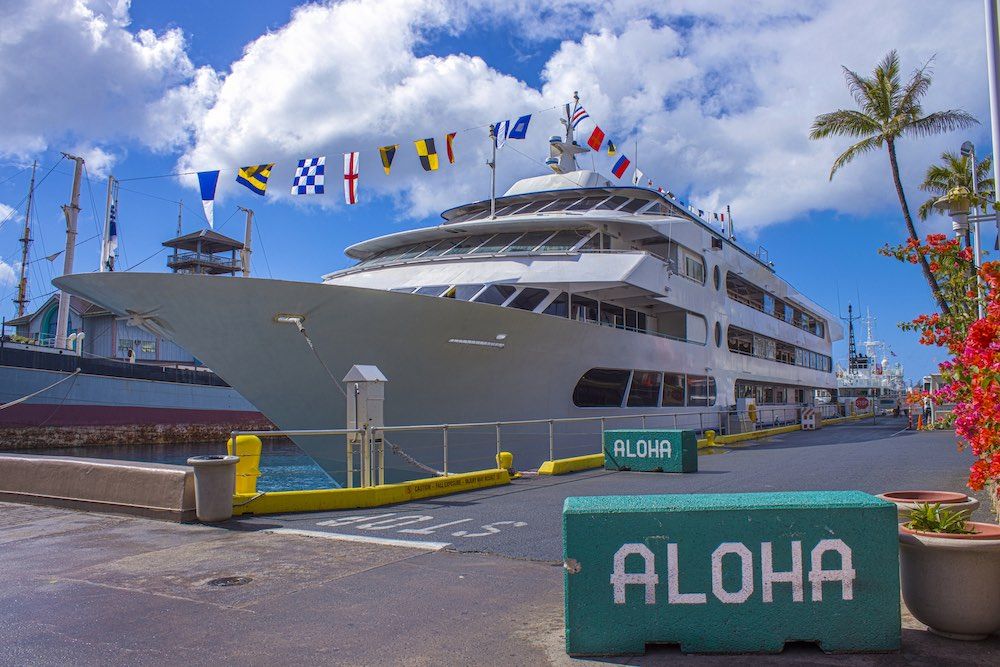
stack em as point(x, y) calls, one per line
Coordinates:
point(651, 450)
point(731, 573)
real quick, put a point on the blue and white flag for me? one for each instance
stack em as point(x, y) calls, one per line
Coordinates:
point(579, 113)
point(500, 131)
point(208, 180)
point(520, 128)
point(309, 176)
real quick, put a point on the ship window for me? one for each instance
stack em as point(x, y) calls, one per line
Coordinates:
point(465, 216)
point(645, 389)
point(495, 294)
point(391, 255)
point(478, 215)
point(468, 244)
point(533, 206)
point(634, 205)
point(462, 292)
point(413, 251)
point(529, 298)
point(558, 205)
point(701, 391)
point(612, 315)
point(528, 241)
point(640, 321)
point(563, 240)
point(507, 210)
point(583, 309)
point(718, 334)
point(630, 319)
point(495, 244)
point(559, 306)
point(441, 248)
point(598, 241)
point(403, 290)
point(717, 277)
point(586, 203)
point(673, 389)
point(611, 204)
point(432, 290)
point(601, 388)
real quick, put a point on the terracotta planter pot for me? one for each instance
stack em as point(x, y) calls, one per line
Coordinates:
point(951, 583)
point(907, 501)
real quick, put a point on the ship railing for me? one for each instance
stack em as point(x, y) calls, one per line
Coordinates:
point(368, 444)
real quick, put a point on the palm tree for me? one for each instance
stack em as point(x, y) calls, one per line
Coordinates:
point(888, 110)
point(954, 172)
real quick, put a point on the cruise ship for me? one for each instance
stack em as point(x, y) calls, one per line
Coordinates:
point(567, 296)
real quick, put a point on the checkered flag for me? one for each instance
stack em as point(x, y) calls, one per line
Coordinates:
point(309, 177)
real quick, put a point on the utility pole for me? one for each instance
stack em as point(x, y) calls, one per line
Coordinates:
point(247, 239)
point(992, 56)
point(72, 213)
point(22, 284)
point(110, 213)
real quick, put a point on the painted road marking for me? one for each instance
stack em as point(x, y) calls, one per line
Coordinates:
point(406, 524)
point(368, 539)
point(898, 432)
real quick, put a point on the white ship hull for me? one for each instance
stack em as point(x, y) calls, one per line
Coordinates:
point(230, 326)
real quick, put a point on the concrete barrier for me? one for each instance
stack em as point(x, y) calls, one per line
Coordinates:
point(651, 450)
point(154, 490)
point(731, 573)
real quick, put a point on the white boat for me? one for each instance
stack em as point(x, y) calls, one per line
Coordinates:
point(567, 296)
point(871, 374)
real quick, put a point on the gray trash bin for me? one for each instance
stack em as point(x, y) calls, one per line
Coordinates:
point(214, 485)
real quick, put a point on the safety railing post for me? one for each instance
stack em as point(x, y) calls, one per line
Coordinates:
point(350, 460)
point(366, 463)
point(701, 422)
point(644, 421)
point(498, 439)
point(444, 433)
point(675, 421)
point(552, 441)
point(381, 458)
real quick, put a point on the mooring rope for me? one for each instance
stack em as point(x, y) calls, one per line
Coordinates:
point(40, 391)
point(394, 448)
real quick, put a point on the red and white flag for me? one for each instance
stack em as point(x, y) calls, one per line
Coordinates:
point(351, 177)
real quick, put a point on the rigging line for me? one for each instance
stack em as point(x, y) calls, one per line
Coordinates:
point(40, 391)
point(37, 185)
point(14, 175)
point(235, 211)
point(145, 260)
point(263, 249)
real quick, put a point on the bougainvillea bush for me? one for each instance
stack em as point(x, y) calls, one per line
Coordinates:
point(971, 379)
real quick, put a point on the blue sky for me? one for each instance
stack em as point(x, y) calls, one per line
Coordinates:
point(718, 99)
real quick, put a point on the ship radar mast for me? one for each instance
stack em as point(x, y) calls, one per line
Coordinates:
point(563, 150)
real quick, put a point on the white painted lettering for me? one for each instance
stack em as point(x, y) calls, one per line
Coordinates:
point(746, 569)
point(619, 447)
point(647, 578)
point(674, 595)
point(346, 520)
point(642, 448)
point(429, 530)
point(768, 577)
point(845, 575)
point(396, 522)
point(490, 529)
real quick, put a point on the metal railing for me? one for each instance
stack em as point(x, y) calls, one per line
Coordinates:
point(370, 442)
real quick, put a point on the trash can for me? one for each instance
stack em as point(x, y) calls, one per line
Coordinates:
point(214, 485)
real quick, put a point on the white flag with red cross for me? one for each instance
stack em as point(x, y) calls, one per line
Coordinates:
point(351, 177)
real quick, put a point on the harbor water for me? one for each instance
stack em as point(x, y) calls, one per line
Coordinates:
point(283, 466)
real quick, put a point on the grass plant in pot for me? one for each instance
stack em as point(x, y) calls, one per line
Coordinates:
point(950, 572)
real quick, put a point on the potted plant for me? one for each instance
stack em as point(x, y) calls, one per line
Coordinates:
point(950, 572)
point(907, 501)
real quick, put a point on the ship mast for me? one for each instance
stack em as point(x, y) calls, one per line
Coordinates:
point(72, 213)
point(22, 284)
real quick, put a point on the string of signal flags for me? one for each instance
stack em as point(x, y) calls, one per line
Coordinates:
point(310, 173)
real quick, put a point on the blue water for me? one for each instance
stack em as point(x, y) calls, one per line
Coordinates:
point(283, 466)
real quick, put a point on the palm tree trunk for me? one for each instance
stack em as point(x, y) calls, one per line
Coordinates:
point(912, 231)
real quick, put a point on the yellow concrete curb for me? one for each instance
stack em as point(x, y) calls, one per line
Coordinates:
point(840, 420)
point(280, 502)
point(573, 464)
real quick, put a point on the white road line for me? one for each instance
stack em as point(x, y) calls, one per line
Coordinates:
point(387, 541)
point(898, 432)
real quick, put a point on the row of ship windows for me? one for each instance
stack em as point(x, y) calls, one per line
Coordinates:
point(752, 344)
point(490, 244)
point(772, 394)
point(623, 388)
point(749, 294)
point(576, 203)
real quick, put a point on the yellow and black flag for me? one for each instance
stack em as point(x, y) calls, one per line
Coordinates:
point(612, 150)
point(427, 154)
point(387, 153)
point(255, 177)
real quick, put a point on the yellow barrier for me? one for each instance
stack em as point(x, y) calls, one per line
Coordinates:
point(248, 467)
point(281, 502)
point(573, 464)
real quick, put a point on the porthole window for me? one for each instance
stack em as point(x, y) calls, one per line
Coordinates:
point(717, 277)
point(718, 331)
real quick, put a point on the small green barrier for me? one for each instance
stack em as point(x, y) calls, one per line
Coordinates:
point(651, 450)
point(731, 573)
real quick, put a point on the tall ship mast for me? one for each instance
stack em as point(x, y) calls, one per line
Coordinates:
point(872, 373)
point(568, 295)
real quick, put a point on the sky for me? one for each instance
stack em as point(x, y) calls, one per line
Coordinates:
point(712, 101)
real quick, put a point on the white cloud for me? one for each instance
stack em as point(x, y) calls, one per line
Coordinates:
point(99, 161)
point(8, 275)
point(78, 73)
point(6, 212)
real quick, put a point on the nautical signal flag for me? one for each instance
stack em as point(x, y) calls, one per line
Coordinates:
point(207, 181)
point(596, 138)
point(611, 148)
point(387, 153)
point(619, 169)
point(427, 154)
point(500, 131)
point(449, 144)
point(579, 113)
point(309, 176)
point(255, 177)
point(637, 176)
point(351, 177)
point(520, 128)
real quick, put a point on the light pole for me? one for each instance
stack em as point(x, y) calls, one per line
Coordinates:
point(969, 151)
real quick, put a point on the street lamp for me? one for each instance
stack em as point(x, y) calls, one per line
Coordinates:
point(956, 203)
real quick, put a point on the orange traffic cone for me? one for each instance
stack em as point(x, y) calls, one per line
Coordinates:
point(920, 422)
